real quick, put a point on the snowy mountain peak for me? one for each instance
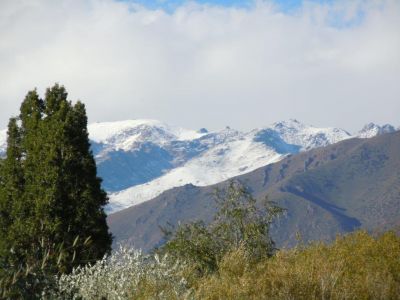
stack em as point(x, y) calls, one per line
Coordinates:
point(125, 134)
point(227, 153)
point(106, 131)
point(372, 129)
point(290, 123)
point(293, 132)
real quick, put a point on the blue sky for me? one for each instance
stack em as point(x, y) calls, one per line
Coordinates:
point(287, 6)
point(170, 5)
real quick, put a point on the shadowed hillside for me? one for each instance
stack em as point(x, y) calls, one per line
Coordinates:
point(349, 185)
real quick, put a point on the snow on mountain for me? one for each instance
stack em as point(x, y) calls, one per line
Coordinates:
point(3, 142)
point(308, 137)
point(372, 129)
point(124, 135)
point(140, 159)
point(230, 153)
point(237, 155)
point(134, 152)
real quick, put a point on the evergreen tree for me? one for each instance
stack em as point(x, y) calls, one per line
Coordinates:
point(51, 200)
point(11, 183)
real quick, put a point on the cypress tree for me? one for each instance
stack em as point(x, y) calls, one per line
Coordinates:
point(51, 200)
point(11, 185)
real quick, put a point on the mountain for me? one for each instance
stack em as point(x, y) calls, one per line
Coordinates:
point(334, 189)
point(202, 160)
point(372, 129)
point(140, 159)
point(133, 152)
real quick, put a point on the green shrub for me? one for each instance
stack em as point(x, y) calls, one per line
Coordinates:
point(239, 222)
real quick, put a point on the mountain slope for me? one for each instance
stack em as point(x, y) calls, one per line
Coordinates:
point(225, 154)
point(351, 184)
point(133, 152)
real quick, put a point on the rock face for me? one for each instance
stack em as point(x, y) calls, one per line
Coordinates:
point(328, 190)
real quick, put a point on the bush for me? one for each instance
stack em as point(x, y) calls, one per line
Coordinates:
point(127, 274)
point(239, 222)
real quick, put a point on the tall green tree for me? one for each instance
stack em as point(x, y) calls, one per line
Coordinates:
point(51, 200)
point(11, 184)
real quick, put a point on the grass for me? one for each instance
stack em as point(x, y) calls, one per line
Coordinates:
point(355, 266)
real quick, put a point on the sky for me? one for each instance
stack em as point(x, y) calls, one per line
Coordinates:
point(210, 63)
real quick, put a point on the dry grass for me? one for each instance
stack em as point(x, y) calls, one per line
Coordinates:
point(356, 266)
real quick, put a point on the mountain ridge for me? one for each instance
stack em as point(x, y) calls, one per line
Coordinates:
point(218, 156)
point(334, 189)
point(139, 159)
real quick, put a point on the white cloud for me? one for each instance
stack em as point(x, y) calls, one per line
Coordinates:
point(202, 65)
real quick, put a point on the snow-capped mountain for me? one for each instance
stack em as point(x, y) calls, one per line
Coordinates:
point(140, 159)
point(229, 154)
point(217, 156)
point(304, 136)
point(372, 129)
point(133, 152)
point(125, 135)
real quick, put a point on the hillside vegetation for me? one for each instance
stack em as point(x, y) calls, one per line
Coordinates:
point(354, 266)
point(234, 257)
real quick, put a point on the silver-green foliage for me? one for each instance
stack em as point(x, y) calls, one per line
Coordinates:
point(126, 274)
